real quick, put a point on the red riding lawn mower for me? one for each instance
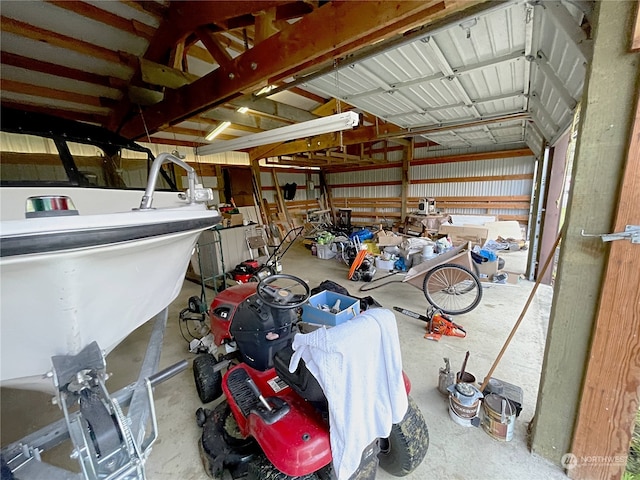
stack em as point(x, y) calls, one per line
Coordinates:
point(273, 424)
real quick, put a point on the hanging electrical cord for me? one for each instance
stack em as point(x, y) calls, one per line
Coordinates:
point(144, 123)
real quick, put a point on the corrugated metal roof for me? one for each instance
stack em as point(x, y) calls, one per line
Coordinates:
point(514, 58)
point(524, 58)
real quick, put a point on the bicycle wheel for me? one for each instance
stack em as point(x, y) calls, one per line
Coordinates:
point(452, 289)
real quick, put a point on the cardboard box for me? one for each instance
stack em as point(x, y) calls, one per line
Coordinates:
point(349, 308)
point(504, 229)
point(387, 239)
point(232, 219)
point(459, 235)
point(486, 270)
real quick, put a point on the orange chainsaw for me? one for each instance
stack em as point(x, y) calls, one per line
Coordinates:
point(438, 324)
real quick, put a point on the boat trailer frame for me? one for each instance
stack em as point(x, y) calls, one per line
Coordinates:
point(107, 444)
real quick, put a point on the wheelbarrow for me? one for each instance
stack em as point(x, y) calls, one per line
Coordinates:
point(448, 281)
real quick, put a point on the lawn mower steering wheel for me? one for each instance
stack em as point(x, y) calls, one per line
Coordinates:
point(282, 297)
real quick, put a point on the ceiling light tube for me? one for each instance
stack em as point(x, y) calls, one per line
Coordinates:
point(216, 131)
point(243, 110)
point(318, 126)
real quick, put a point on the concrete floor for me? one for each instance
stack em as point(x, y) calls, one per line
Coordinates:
point(455, 452)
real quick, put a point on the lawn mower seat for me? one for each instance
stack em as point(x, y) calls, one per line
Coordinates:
point(301, 381)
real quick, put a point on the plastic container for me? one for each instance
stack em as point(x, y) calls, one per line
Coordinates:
point(325, 252)
point(349, 308)
point(384, 264)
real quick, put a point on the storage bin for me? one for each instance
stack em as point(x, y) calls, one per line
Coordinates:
point(325, 252)
point(349, 308)
point(384, 264)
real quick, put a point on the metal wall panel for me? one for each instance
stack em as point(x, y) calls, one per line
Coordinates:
point(503, 166)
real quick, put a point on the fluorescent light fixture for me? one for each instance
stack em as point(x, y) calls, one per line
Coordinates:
point(264, 90)
point(318, 126)
point(216, 131)
point(243, 110)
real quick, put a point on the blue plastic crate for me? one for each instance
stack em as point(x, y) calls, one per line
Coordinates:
point(349, 308)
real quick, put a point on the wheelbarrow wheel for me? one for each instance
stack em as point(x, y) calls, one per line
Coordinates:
point(452, 289)
point(208, 382)
point(406, 446)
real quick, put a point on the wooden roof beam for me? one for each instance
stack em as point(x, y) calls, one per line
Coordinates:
point(256, 121)
point(185, 17)
point(234, 126)
point(87, 10)
point(14, 60)
point(151, 8)
point(274, 109)
point(23, 29)
point(309, 95)
point(95, 118)
point(46, 92)
point(264, 24)
point(306, 39)
point(213, 46)
point(323, 142)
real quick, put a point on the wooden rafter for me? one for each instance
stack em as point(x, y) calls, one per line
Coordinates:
point(306, 39)
point(213, 46)
point(323, 142)
point(184, 17)
point(171, 141)
point(431, 11)
point(87, 10)
point(264, 24)
point(70, 114)
point(230, 43)
point(161, 75)
point(233, 126)
point(309, 95)
point(200, 53)
point(151, 8)
point(177, 54)
point(10, 25)
point(46, 92)
point(330, 107)
point(60, 71)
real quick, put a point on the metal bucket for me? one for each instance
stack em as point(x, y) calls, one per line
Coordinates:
point(499, 417)
point(464, 403)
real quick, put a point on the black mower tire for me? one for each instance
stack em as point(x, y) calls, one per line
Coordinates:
point(208, 382)
point(262, 469)
point(404, 449)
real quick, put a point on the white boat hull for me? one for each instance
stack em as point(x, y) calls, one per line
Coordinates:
point(58, 301)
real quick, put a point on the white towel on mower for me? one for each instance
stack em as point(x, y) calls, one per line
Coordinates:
point(359, 367)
